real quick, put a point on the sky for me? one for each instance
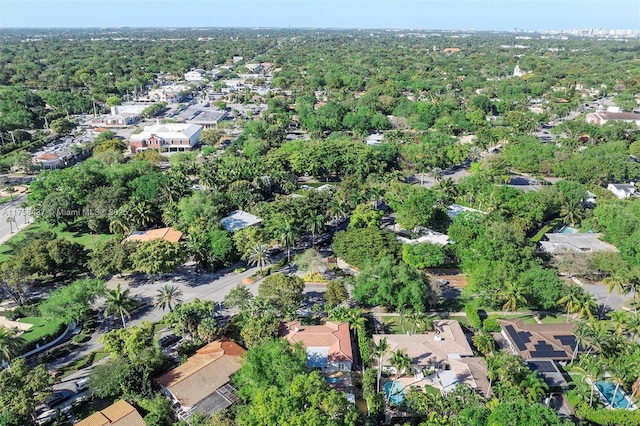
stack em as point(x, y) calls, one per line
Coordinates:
point(498, 15)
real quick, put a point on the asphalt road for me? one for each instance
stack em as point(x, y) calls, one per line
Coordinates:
point(20, 218)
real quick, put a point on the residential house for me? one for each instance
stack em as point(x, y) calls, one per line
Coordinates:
point(169, 93)
point(612, 114)
point(556, 342)
point(120, 413)
point(203, 382)
point(586, 243)
point(238, 220)
point(166, 137)
point(328, 346)
point(375, 139)
point(442, 358)
point(194, 75)
point(118, 120)
point(622, 190)
point(166, 234)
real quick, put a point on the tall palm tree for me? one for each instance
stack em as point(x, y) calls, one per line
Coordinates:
point(435, 173)
point(141, 213)
point(315, 225)
point(587, 306)
point(571, 300)
point(633, 286)
point(592, 369)
point(118, 302)
point(9, 220)
point(380, 350)
point(616, 281)
point(571, 212)
point(168, 296)
point(286, 237)
point(375, 194)
point(619, 371)
point(493, 365)
point(448, 187)
point(401, 362)
point(119, 224)
point(259, 256)
point(10, 343)
point(512, 295)
point(335, 210)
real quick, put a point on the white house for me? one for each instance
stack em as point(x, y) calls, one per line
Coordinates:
point(622, 190)
point(166, 137)
point(194, 75)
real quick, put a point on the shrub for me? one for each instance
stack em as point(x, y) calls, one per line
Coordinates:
point(603, 416)
point(239, 270)
point(471, 310)
point(491, 324)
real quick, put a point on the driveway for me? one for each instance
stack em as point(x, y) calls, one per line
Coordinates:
point(599, 291)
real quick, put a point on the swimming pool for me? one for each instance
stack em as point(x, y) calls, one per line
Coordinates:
point(607, 389)
point(567, 230)
point(394, 392)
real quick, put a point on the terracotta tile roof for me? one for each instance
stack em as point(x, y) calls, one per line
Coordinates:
point(203, 373)
point(553, 341)
point(167, 234)
point(119, 414)
point(332, 335)
point(48, 156)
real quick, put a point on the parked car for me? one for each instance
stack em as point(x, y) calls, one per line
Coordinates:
point(167, 340)
point(82, 384)
point(58, 398)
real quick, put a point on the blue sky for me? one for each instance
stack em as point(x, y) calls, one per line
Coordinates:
point(426, 14)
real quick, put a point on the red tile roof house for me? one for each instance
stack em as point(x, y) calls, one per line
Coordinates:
point(202, 383)
point(173, 137)
point(328, 345)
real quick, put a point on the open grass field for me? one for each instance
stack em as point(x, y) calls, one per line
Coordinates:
point(76, 233)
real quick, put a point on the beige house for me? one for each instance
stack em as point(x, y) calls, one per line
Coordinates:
point(203, 382)
point(442, 358)
point(119, 414)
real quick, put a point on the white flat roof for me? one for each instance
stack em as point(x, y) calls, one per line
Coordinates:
point(239, 219)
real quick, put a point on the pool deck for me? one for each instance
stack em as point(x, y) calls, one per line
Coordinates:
point(603, 399)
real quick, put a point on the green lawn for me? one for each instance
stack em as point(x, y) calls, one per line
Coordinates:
point(76, 233)
point(432, 390)
point(399, 325)
point(42, 327)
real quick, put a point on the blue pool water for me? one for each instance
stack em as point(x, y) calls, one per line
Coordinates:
point(332, 379)
point(607, 389)
point(567, 230)
point(394, 392)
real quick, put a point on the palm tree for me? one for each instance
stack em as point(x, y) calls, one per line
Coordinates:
point(587, 306)
point(571, 211)
point(380, 350)
point(118, 303)
point(618, 281)
point(286, 236)
point(512, 294)
point(9, 220)
point(335, 210)
point(571, 300)
point(534, 387)
point(375, 194)
point(168, 297)
point(10, 343)
point(119, 224)
point(592, 369)
point(619, 370)
point(435, 173)
point(448, 187)
point(315, 225)
point(141, 213)
point(634, 286)
point(493, 365)
point(401, 362)
point(259, 256)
